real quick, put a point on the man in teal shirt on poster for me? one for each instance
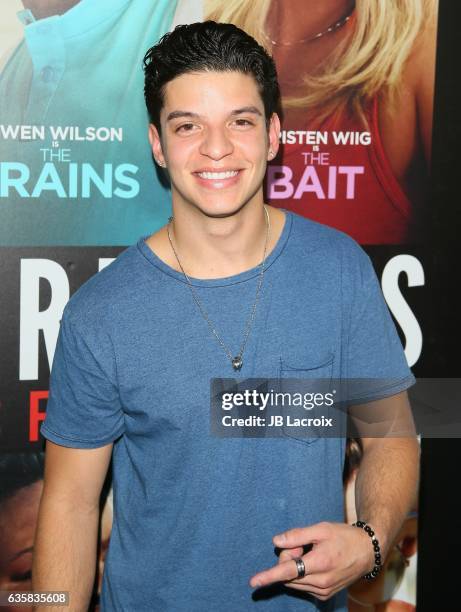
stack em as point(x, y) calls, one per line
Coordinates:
point(86, 177)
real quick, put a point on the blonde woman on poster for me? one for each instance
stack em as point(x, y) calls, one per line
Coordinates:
point(357, 80)
point(364, 69)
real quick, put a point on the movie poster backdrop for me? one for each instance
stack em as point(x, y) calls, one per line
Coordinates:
point(78, 185)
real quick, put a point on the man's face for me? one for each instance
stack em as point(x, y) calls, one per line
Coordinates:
point(214, 141)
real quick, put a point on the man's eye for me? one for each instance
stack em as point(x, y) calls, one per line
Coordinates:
point(243, 122)
point(185, 127)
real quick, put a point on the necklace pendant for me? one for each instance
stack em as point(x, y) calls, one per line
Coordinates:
point(237, 362)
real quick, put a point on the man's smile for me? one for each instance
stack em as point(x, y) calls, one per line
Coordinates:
point(226, 177)
point(218, 175)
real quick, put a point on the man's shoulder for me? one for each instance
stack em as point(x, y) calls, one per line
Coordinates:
point(324, 241)
point(329, 255)
point(109, 293)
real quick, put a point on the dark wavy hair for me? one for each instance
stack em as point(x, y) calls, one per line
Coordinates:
point(207, 47)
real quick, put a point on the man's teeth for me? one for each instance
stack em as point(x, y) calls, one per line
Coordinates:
point(218, 175)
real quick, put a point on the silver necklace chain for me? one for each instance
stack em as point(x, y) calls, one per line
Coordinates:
point(336, 25)
point(236, 361)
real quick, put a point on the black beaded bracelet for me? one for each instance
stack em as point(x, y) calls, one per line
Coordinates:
point(378, 561)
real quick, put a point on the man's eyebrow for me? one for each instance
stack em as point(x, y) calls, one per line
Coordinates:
point(180, 114)
point(247, 109)
point(177, 114)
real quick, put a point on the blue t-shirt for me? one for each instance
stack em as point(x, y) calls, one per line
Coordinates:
point(194, 514)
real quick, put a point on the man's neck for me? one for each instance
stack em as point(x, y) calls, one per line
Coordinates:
point(218, 247)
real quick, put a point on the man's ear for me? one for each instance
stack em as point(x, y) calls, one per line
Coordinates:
point(274, 136)
point(156, 145)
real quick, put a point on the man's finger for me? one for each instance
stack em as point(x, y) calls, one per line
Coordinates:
point(283, 572)
point(301, 536)
point(290, 553)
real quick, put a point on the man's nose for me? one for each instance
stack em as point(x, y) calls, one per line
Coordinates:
point(216, 144)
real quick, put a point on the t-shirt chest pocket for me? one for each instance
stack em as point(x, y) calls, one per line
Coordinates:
point(308, 399)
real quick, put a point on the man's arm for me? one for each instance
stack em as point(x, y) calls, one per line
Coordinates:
point(66, 536)
point(386, 487)
point(385, 492)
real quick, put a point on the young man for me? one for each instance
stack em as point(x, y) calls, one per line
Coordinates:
point(230, 288)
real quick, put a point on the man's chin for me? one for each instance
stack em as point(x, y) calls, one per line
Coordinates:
point(221, 215)
point(220, 210)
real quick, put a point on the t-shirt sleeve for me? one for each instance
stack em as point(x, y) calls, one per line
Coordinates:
point(84, 408)
point(374, 349)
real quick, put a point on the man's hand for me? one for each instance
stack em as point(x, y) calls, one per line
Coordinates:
point(340, 555)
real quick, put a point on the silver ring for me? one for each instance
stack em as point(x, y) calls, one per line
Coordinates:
point(300, 567)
